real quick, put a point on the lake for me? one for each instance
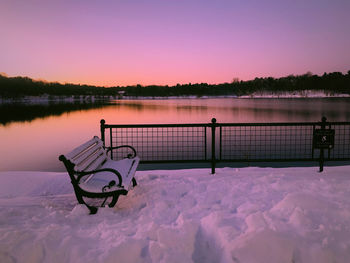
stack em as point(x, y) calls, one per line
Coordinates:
point(32, 137)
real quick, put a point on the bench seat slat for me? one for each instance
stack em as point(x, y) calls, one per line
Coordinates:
point(92, 162)
point(126, 168)
point(91, 166)
point(80, 149)
point(88, 156)
point(95, 149)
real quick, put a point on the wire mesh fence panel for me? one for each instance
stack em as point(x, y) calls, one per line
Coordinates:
point(215, 142)
point(264, 142)
point(161, 143)
point(341, 149)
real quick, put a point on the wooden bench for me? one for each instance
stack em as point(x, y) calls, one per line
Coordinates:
point(95, 175)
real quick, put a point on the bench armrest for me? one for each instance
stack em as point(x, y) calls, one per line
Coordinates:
point(82, 174)
point(123, 146)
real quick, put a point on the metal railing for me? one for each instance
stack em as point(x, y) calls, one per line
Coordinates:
point(232, 142)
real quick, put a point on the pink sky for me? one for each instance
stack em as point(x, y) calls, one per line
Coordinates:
point(168, 42)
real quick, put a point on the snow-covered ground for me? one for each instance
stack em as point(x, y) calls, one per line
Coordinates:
point(238, 215)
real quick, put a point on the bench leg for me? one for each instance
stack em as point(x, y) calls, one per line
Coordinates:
point(114, 200)
point(78, 195)
point(134, 183)
point(93, 209)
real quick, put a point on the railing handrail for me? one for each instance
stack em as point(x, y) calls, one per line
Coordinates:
point(282, 123)
point(156, 125)
point(150, 125)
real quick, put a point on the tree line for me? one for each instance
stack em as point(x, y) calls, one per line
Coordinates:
point(332, 83)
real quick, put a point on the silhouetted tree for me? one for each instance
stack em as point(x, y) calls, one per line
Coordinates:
point(331, 82)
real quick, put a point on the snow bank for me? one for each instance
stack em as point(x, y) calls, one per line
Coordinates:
point(296, 94)
point(238, 215)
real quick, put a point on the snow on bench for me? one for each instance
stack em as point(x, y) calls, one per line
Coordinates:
point(95, 175)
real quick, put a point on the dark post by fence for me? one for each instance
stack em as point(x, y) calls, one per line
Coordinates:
point(213, 159)
point(323, 127)
point(102, 122)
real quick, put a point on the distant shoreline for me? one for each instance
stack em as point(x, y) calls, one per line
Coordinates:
point(303, 94)
point(26, 90)
point(33, 100)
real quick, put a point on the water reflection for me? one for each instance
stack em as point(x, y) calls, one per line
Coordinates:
point(22, 113)
point(193, 110)
point(244, 110)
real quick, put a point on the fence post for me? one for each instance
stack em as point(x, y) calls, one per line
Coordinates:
point(213, 159)
point(323, 127)
point(102, 122)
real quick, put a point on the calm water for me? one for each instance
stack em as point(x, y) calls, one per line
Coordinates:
point(33, 139)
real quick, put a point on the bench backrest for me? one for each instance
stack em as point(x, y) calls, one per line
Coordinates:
point(88, 156)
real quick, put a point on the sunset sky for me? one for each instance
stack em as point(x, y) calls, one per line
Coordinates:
point(127, 42)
